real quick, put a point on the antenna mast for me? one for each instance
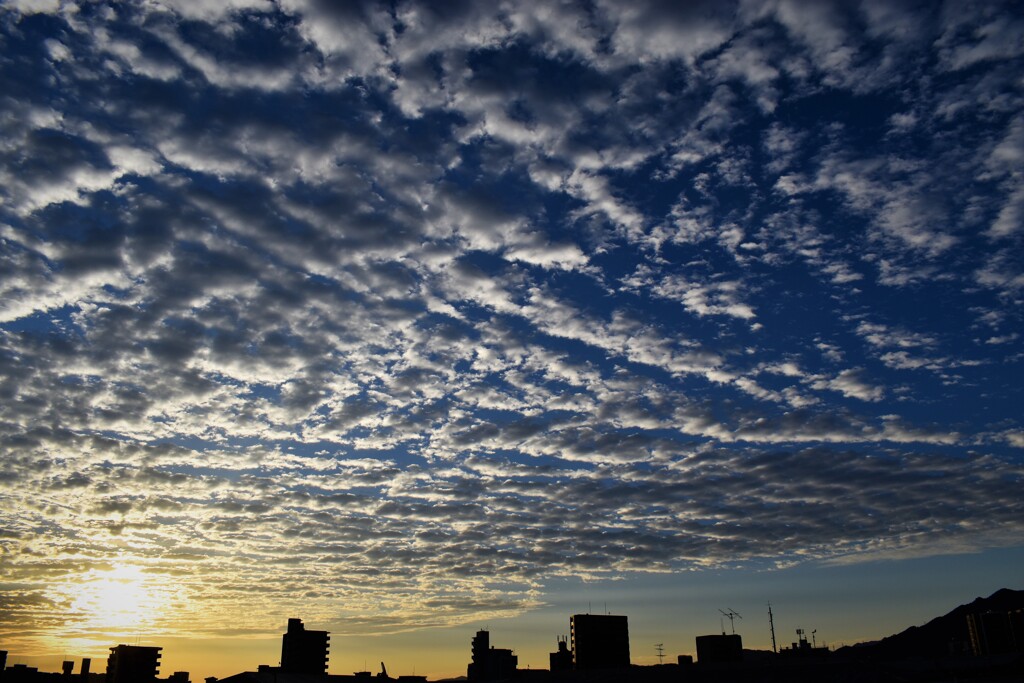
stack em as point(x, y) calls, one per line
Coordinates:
point(732, 614)
point(771, 624)
point(660, 647)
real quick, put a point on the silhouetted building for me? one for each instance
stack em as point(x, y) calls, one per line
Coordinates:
point(996, 633)
point(481, 643)
point(302, 651)
point(490, 663)
point(802, 648)
point(561, 660)
point(599, 641)
point(133, 664)
point(274, 674)
point(20, 673)
point(719, 649)
point(3, 663)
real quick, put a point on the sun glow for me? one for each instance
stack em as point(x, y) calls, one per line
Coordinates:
point(117, 602)
point(120, 596)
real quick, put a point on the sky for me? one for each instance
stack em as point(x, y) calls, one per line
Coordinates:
point(411, 318)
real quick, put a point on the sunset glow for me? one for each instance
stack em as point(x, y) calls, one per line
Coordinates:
point(120, 600)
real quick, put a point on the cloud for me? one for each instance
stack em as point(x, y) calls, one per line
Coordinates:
point(410, 307)
point(663, 30)
point(849, 383)
point(970, 39)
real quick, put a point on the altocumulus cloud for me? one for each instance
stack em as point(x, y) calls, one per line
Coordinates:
point(399, 309)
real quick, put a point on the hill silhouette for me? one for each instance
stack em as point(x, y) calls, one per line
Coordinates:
point(940, 637)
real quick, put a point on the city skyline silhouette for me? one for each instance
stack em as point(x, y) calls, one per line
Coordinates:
point(983, 639)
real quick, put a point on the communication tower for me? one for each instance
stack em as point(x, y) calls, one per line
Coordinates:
point(732, 614)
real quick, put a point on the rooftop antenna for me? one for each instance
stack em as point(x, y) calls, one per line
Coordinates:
point(732, 614)
point(771, 624)
point(660, 647)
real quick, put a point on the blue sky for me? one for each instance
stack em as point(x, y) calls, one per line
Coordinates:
point(395, 316)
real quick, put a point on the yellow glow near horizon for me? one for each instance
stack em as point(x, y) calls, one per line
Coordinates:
point(120, 602)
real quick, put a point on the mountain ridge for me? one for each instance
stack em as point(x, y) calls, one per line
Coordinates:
point(939, 637)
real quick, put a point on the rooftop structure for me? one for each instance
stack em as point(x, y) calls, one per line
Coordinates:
point(719, 649)
point(561, 661)
point(599, 641)
point(133, 664)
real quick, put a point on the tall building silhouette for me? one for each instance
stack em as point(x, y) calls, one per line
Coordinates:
point(302, 651)
point(599, 641)
point(490, 663)
point(133, 664)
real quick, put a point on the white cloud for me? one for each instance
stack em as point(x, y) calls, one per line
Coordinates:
point(409, 286)
point(850, 384)
point(704, 298)
point(970, 39)
point(651, 30)
point(35, 6)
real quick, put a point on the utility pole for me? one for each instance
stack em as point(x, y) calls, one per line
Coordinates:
point(771, 624)
point(660, 647)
